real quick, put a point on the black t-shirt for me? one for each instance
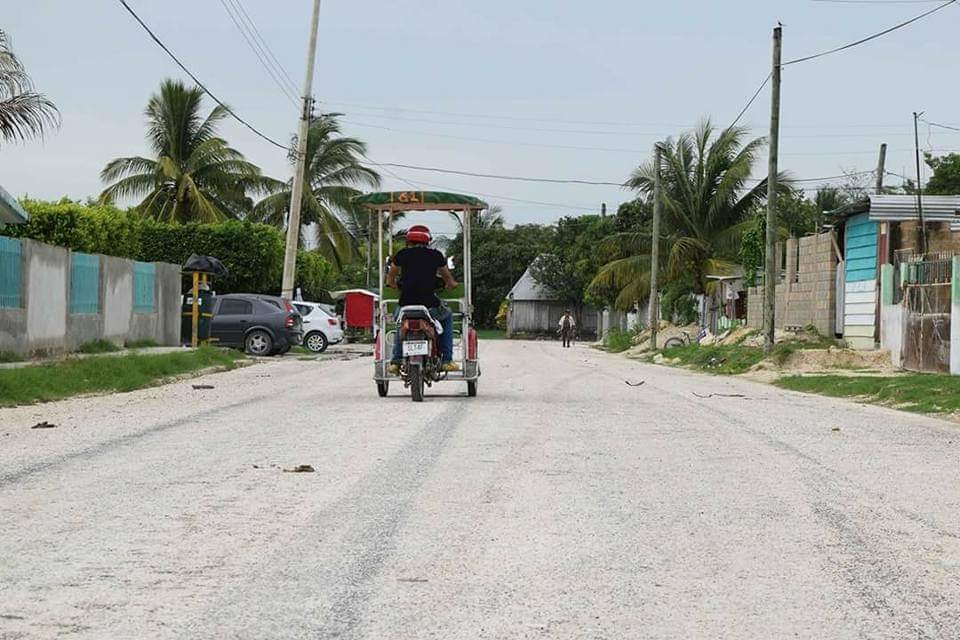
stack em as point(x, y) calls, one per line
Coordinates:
point(418, 275)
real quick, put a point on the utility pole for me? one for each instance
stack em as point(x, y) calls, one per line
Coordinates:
point(369, 244)
point(922, 236)
point(296, 199)
point(770, 264)
point(654, 310)
point(881, 168)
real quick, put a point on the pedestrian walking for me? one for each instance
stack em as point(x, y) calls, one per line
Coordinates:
point(567, 328)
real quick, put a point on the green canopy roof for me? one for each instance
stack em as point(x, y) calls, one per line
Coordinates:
point(419, 201)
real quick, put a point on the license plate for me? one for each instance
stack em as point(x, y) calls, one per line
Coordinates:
point(416, 348)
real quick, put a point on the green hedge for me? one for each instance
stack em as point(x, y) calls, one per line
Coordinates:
point(252, 252)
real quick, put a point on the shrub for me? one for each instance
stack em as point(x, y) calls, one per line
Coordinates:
point(253, 253)
point(617, 340)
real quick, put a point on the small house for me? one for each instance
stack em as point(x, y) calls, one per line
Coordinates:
point(534, 309)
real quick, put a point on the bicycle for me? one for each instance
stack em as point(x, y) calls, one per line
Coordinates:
point(684, 339)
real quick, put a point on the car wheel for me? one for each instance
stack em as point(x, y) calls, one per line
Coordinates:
point(258, 343)
point(316, 342)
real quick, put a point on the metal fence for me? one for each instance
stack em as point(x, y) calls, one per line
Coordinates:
point(84, 283)
point(11, 274)
point(924, 283)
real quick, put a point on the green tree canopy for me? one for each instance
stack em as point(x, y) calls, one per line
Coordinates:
point(194, 175)
point(945, 180)
point(334, 171)
point(24, 113)
point(707, 203)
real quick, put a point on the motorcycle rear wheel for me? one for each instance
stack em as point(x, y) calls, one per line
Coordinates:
point(416, 383)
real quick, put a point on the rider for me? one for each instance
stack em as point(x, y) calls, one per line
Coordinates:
point(420, 266)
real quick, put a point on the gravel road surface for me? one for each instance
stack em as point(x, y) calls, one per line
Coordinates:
point(560, 503)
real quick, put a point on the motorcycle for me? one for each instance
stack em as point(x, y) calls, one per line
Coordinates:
point(419, 335)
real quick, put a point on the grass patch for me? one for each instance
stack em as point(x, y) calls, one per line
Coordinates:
point(55, 381)
point(723, 359)
point(98, 346)
point(783, 350)
point(9, 356)
point(917, 392)
point(142, 344)
point(491, 334)
point(617, 341)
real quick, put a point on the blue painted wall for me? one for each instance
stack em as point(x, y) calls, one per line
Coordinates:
point(861, 248)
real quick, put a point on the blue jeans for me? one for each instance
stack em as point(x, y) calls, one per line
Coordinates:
point(443, 315)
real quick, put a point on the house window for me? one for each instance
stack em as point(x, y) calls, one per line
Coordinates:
point(144, 281)
point(84, 283)
point(11, 278)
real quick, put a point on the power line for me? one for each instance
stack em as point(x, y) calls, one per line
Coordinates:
point(503, 177)
point(257, 51)
point(871, 37)
point(941, 126)
point(752, 99)
point(489, 116)
point(279, 65)
point(875, 1)
point(494, 141)
point(198, 82)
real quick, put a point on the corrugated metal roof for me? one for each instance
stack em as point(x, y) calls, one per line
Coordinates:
point(900, 208)
point(10, 210)
point(529, 289)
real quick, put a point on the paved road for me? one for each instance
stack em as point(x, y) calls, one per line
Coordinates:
point(561, 503)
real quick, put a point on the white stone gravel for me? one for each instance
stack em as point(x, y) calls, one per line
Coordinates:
point(560, 503)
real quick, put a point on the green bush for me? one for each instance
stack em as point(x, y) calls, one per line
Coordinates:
point(253, 253)
point(617, 340)
point(98, 346)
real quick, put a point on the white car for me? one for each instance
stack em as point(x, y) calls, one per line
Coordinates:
point(320, 327)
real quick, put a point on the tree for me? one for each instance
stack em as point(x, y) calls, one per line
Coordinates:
point(333, 172)
point(500, 256)
point(23, 112)
point(945, 180)
point(194, 176)
point(707, 205)
point(575, 257)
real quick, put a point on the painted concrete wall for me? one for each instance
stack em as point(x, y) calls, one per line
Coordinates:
point(892, 318)
point(955, 318)
point(44, 324)
point(45, 295)
point(117, 308)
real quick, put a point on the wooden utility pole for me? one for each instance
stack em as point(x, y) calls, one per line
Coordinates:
point(296, 199)
point(654, 310)
point(770, 263)
point(369, 244)
point(922, 236)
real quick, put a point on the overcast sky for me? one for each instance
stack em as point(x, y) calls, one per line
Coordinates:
point(571, 89)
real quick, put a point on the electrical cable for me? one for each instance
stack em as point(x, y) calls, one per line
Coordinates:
point(258, 52)
point(278, 65)
point(200, 84)
point(871, 37)
point(751, 100)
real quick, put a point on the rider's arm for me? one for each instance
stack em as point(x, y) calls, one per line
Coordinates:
point(448, 278)
point(392, 276)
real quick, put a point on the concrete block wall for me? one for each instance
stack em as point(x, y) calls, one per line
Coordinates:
point(811, 299)
point(44, 324)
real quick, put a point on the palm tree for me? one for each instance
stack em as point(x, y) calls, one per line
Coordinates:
point(706, 207)
point(23, 113)
point(333, 172)
point(194, 176)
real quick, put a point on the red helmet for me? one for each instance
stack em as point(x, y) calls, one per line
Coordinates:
point(419, 234)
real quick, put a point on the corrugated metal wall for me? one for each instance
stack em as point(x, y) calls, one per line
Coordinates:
point(144, 285)
point(860, 282)
point(84, 283)
point(11, 274)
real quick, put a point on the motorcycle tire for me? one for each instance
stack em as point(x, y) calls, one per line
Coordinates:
point(416, 383)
